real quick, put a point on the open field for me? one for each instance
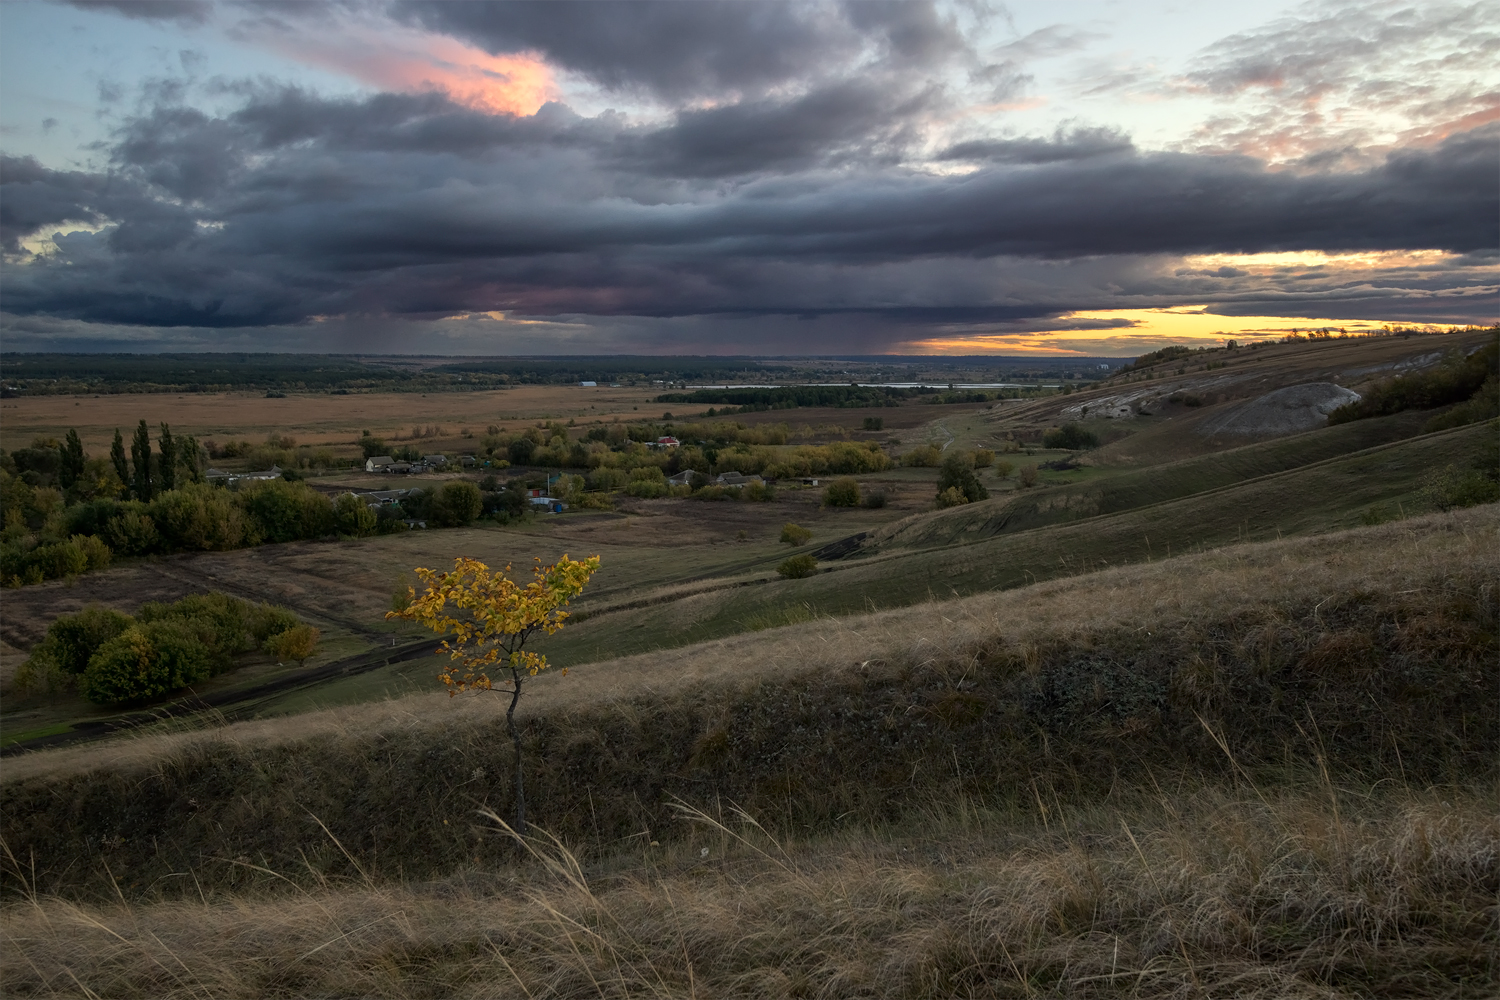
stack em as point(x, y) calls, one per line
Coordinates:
point(312, 418)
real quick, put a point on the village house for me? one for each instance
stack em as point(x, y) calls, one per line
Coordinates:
point(666, 441)
point(221, 478)
point(379, 463)
point(685, 478)
point(736, 479)
point(435, 461)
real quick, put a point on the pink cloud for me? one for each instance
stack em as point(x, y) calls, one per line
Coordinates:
point(405, 60)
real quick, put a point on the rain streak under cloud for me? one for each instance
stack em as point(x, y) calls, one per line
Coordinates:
point(740, 178)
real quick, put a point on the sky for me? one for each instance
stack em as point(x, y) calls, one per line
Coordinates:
point(1072, 176)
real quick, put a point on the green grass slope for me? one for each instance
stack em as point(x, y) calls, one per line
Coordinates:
point(1329, 495)
point(1126, 490)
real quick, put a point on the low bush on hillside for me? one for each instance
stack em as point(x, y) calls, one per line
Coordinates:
point(957, 483)
point(795, 534)
point(1456, 379)
point(923, 456)
point(115, 658)
point(797, 567)
point(1072, 436)
point(842, 493)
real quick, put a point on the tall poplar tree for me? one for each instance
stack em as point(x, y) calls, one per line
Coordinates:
point(166, 470)
point(73, 460)
point(117, 459)
point(188, 459)
point(140, 463)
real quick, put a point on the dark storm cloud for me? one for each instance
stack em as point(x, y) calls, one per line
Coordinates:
point(295, 207)
point(1079, 144)
point(857, 118)
point(683, 50)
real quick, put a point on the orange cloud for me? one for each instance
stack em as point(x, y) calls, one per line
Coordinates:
point(417, 61)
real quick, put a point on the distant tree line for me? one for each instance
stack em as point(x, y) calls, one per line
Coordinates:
point(65, 513)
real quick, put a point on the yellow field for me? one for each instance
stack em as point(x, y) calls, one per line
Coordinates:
point(312, 418)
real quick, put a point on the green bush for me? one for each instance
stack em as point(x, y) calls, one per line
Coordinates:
point(795, 534)
point(198, 518)
point(1483, 405)
point(924, 456)
point(267, 620)
point(1071, 436)
point(280, 511)
point(649, 489)
point(797, 567)
point(132, 532)
point(842, 493)
point(146, 662)
point(1453, 487)
point(1456, 379)
point(958, 475)
point(221, 622)
point(950, 497)
point(352, 517)
point(456, 504)
point(72, 640)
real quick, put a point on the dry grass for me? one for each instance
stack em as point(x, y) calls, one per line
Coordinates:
point(1318, 893)
point(967, 798)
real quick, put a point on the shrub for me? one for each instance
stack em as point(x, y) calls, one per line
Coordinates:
point(456, 504)
point(648, 489)
point(72, 640)
point(1453, 487)
point(1455, 380)
point(950, 497)
point(874, 423)
point(1004, 467)
point(925, 456)
point(353, 517)
point(797, 567)
point(1072, 436)
point(957, 475)
point(875, 499)
point(296, 643)
point(267, 620)
point(795, 534)
point(520, 450)
point(132, 532)
point(1483, 405)
point(842, 493)
point(145, 662)
point(198, 518)
point(221, 622)
point(280, 511)
point(761, 492)
point(1028, 476)
point(983, 458)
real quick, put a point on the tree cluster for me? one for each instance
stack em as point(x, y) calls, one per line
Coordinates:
point(114, 658)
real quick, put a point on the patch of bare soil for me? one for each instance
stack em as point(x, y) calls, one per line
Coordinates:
point(1282, 411)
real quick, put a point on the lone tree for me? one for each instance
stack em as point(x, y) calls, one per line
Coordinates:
point(140, 464)
point(496, 616)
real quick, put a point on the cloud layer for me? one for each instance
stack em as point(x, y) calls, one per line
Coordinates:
point(802, 168)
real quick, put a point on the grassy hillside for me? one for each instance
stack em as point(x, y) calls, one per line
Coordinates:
point(1261, 770)
point(1376, 637)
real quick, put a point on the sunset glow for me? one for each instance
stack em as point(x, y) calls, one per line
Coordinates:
point(1135, 331)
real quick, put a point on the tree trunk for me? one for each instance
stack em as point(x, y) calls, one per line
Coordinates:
point(515, 738)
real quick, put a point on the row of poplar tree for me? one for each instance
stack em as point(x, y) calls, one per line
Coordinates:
point(145, 475)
